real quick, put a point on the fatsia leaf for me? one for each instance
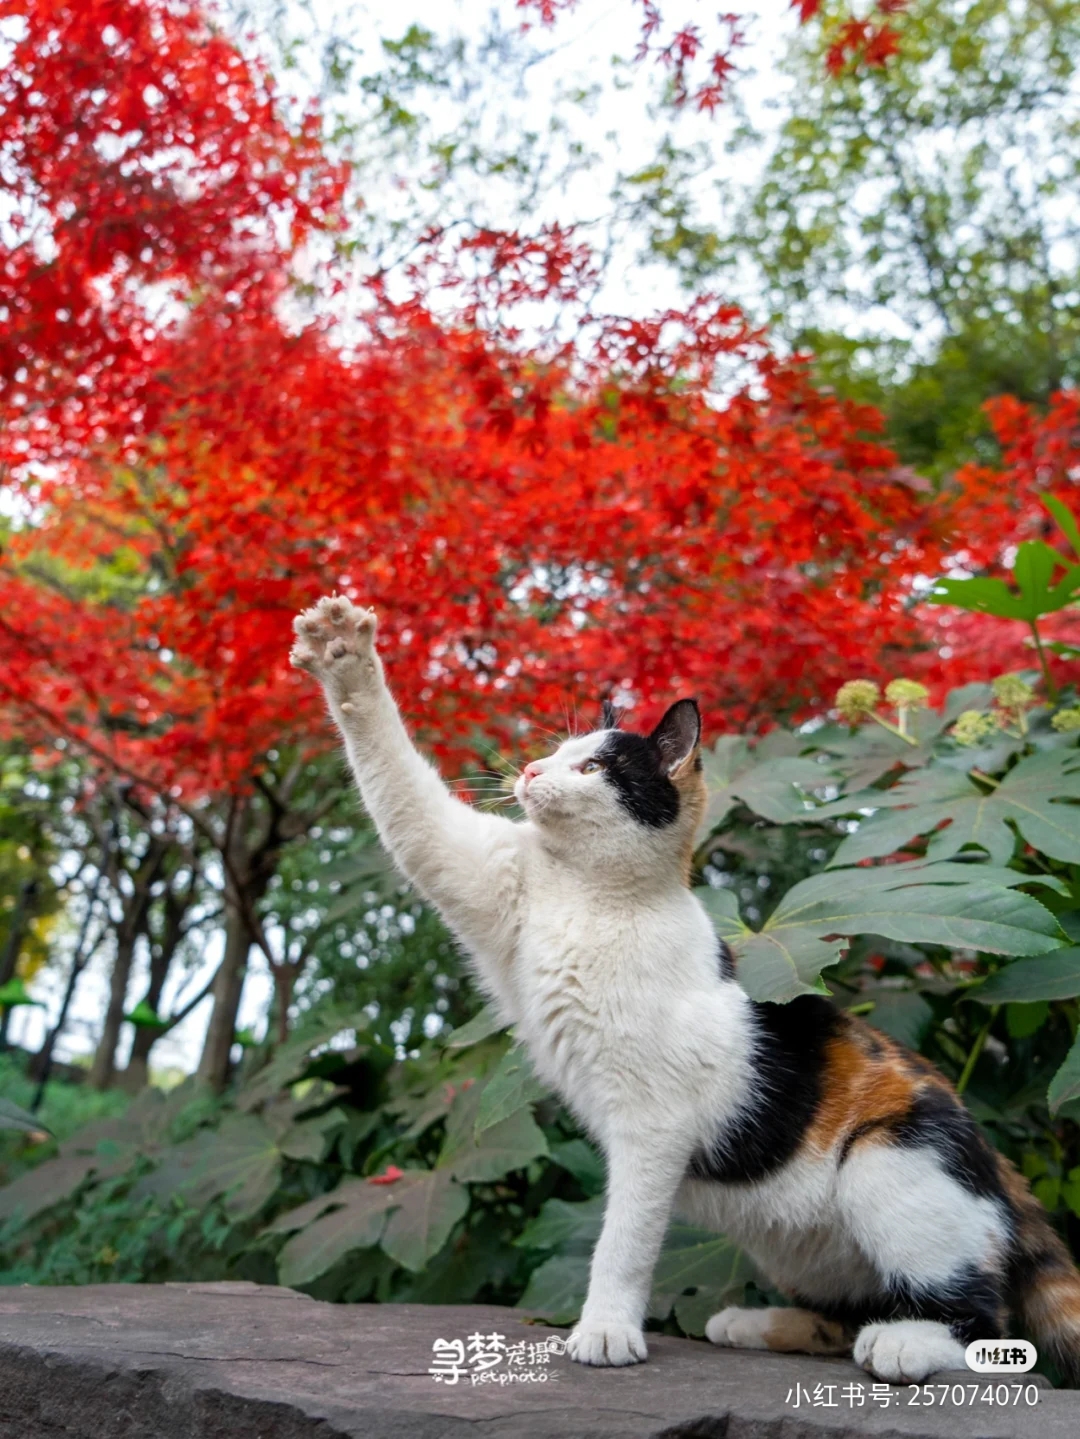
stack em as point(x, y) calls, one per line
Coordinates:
point(1050, 976)
point(429, 1205)
point(557, 1288)
point(1066, 520)
point(1034, 796)
point(512, 1086)
point(332, 1226)
point(45, 1185)
point(583, 1162)
point(481, 1026)
point(694, 1259)
point(1035, 593)
point(510, 1144)
point(13, 1116)
point(956, 905)
point(773, 788)
point(568, 1227)
point(238, 1161)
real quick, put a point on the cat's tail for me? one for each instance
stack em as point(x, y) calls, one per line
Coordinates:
point(1044, 1285)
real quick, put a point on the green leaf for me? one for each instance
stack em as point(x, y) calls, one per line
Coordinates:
point(143, 1016)
point(46, 1185)
point(350, 1217)
point(1065, 1084)
point(568, 1227)
point(1035, 594)
point(292, 1059)
point(694, 1259)
point(428, 1208)
point(1033, 796)
point(512, 1086)
point(1052, 976)
point(481, 1026)
point(238, 1161)
point(510, 1144)
point(583, 1162)
point(1066, 520)
point(773, 788)
point(14, 993)
point(556, 1290)
point(13, 1116)
point(312, 1139)
point(900, 1013)
point(948, 904)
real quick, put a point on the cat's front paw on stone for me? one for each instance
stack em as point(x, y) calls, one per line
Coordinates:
point(738, 1328)
point(907, 1351)
point(335, 641)
point(606, 1344)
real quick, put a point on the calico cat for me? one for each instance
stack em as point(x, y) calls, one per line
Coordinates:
point(843, 1164)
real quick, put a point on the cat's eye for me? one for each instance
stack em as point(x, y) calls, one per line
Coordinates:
point(591, 766)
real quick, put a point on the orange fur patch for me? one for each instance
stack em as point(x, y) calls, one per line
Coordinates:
point(801, 1331)
point(863, 1086)
point(689, 780)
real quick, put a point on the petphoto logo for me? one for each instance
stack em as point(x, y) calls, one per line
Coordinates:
point(994, 1356)
point(489, 1359)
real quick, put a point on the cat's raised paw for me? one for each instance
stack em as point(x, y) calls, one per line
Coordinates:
point(607, 1344)
point(335, 642)
point(906, 1351)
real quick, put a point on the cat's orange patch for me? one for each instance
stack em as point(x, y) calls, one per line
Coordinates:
point(863, 1085)
point(801, 1331)
point(689, 780)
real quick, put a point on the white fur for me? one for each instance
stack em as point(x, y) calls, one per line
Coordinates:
point(907, 1350)
point(582, 932)
point(739, 1328)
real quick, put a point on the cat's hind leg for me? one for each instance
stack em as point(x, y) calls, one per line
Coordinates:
point(785, 1331)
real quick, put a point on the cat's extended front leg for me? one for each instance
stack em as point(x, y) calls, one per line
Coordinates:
point(465, 862)
point(643, 1178)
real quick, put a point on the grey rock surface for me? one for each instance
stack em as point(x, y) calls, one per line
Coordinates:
point(200, 1361)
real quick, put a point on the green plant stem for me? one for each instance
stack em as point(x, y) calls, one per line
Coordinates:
point(893, 729)
point(976, 1050)
point(1051, 687)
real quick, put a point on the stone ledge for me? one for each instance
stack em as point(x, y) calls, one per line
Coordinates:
point(206, 1361)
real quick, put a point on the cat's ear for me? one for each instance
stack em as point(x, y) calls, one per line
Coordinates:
point(678, 734)
point(609, 716)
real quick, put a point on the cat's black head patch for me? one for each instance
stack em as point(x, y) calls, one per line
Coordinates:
point(638, 766)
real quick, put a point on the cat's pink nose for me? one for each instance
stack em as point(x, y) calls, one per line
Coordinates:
point(531, 771)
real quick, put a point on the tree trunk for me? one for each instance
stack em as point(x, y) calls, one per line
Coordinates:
point(132, 924)
point(20, 921)
point(228, 987)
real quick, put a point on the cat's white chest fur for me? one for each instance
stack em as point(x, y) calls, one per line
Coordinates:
point(619, 1005)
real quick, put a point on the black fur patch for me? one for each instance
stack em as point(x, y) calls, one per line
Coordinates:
point(939, 1122)
point(789, 1059)
point(727, 963)
point(634, 766)
point(971, 1304)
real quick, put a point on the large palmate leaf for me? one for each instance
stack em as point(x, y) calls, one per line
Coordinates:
point(13, 1116)
point(239, 1161)
point(1034, 796)
point(697, 1273)
point(1035, 594)
point(348, 1218)
point(571, 1228)
point(557, 1288)
point(481, 1026)
point(512, 1086)
point(428, 1207)
point(1051, 976)
point(773, 787)
point(959, 905)
point(487, 1154)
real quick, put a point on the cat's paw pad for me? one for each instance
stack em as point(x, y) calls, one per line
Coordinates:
point(738, 1328)
point(907, 1350)
point(608, 1343)
point(332, 637)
